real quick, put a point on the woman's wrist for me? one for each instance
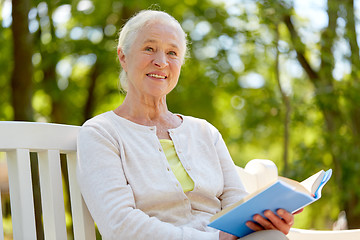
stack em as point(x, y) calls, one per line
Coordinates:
point(226, 236)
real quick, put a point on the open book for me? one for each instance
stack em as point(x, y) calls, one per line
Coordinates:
point(283, 193)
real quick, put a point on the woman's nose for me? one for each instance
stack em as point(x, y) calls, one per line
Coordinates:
point(160, 60)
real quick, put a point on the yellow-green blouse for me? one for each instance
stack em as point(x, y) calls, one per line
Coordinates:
point(177, 168)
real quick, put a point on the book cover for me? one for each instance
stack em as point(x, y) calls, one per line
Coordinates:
point(288, 195)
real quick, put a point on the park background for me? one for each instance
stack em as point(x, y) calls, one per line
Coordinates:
point(280, 79)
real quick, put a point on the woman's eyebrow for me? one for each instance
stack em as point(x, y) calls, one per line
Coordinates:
point(149, 41)
point(174, 45)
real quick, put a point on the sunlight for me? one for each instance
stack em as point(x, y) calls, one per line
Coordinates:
point(6, 14)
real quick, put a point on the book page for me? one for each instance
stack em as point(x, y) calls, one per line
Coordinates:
point(296, 185)
point(312, 183)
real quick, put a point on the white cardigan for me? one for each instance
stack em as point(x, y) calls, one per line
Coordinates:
point(130, 190)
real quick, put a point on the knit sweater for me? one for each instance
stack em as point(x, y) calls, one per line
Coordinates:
point(130, 190)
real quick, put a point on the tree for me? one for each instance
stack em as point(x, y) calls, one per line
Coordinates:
point(334, 98)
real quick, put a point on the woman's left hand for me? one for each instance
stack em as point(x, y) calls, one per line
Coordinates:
point(282, 221)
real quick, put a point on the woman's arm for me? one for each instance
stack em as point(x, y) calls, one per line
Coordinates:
point(233, 190)
point(226, 236)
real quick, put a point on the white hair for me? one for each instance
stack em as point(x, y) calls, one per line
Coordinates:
point(133, 26)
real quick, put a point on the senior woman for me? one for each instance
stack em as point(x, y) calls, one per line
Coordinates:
point(147, 173)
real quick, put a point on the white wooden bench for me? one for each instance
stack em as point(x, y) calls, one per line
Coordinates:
point(18, 139)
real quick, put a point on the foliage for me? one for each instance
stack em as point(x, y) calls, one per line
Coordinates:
point(228, 79)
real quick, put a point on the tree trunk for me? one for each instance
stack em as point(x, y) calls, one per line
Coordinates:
point(354, 84)
point(90, 102)
point(21, 79)
point(21, 87)
point(325, 93)
point(287, 104)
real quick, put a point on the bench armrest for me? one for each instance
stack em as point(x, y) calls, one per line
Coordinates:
point(302, 234)
point(257, 173)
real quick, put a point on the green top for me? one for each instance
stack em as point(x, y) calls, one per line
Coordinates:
point(177, 168)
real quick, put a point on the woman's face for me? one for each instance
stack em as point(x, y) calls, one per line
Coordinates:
point(154, 60)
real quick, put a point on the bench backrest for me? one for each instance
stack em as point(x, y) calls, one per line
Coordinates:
point(48, 141)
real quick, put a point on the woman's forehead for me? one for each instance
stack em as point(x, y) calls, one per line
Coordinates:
point(162, 33)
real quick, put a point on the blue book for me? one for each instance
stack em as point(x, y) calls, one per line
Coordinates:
point(284, 193)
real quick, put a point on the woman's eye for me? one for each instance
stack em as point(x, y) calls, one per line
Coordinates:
point(149, 49)
point(173, 53)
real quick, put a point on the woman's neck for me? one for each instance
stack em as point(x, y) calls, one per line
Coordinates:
point(143, 109)
point(149, 113)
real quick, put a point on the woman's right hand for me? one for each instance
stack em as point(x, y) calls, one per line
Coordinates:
point(226, 236)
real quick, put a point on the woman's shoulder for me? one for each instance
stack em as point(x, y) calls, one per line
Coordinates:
point(102, 119)
point(192, 119)
point(97, 129)
point(104, 123)
point(198, 122)
point(112, 124)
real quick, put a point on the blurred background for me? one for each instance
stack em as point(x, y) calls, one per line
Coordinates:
point(280, 79)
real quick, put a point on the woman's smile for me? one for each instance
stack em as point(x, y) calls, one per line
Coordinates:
point(156, 75)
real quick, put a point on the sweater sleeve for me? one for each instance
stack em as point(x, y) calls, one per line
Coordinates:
point(109, 197)
point(233, 190)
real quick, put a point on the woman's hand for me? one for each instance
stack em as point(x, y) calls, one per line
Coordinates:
point(226, 236)
point(282, 221)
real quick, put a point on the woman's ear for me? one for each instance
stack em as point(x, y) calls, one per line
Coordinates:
point(122, 59)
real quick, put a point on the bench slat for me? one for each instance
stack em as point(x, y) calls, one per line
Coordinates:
point(84, 227)
point(52, 195)
point(21, 194)
point(1, 226)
